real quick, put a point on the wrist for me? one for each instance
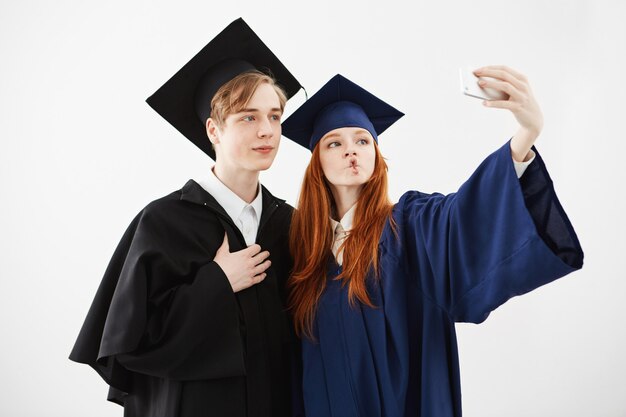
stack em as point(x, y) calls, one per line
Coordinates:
point(521, 144)
point(529, 134)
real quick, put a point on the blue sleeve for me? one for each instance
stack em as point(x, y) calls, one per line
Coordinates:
point(497, 237)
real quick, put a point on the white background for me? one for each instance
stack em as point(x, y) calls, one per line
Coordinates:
point(82, 153)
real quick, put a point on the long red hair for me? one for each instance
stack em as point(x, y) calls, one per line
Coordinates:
point(311, 239)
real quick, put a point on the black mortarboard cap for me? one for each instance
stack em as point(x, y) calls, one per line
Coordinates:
point(185, 99)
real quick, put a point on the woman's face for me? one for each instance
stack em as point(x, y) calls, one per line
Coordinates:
point(347, 156)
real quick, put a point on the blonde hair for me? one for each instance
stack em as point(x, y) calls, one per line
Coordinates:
point(234, 96)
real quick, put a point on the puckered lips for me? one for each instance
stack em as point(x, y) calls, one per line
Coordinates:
point(354, 166)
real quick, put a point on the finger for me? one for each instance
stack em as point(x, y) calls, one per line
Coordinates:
point(506, 69)
point(501, 86)
point(252, 250)
point(500, 104)
point(258, 278)
point(502, 76)
point(260, 257)
point(261, 267)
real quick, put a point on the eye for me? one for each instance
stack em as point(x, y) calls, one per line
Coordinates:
point(333, 144)
point(248, 118)
point(362, 141)
point(275, 117)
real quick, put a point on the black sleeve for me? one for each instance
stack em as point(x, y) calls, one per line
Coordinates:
point(162, 309)
point(194, 334)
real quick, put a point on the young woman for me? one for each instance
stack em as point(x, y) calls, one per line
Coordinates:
point(376, 288)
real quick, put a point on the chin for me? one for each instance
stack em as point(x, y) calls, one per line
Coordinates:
point(351, 183)
point(359, 180)
point(263, 166)
point(260, 163)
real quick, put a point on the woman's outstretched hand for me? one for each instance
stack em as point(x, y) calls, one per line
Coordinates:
point(521, 103)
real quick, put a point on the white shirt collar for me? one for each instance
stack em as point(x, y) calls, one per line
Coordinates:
point(230, 202)
point(346, 220)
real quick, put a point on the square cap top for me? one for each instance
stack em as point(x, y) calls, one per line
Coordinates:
point(339, 103)
point(185, 99)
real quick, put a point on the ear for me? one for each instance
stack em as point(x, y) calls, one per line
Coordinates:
point(212, 131)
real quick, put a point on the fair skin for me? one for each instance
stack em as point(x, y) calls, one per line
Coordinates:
point(246, 144)
point(243, 268)
point(348, 161)
point(347, 156)
point(521, 103)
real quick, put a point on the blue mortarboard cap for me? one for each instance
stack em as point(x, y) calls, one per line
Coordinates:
point(185, 99)
point(339, 103)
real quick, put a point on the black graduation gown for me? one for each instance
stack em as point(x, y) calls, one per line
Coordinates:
point(165, 329)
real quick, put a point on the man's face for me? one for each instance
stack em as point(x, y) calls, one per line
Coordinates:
point(249, 139)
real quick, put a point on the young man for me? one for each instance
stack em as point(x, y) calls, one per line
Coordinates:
point(189, 319)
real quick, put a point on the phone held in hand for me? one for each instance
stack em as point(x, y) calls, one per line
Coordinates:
point(470, 87)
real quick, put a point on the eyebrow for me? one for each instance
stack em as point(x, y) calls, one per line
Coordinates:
point(250, 110)
point(356, 132)
point(331, 136)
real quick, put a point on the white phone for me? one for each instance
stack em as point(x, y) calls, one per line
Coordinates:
point(470, 87)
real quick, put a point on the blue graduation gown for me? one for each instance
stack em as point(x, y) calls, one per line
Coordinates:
point(453, 258)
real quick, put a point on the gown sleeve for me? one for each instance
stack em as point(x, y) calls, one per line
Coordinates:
point(496, 237)
point(154, 315)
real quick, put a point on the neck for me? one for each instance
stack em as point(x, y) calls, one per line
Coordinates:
point(345, 198)
point(243, 183)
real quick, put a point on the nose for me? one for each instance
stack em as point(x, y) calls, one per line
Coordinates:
point(350, 151)
point(265, 129)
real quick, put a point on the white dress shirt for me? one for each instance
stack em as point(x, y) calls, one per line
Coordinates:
point(245, 216)
point(520, 167)
point(342, 228)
